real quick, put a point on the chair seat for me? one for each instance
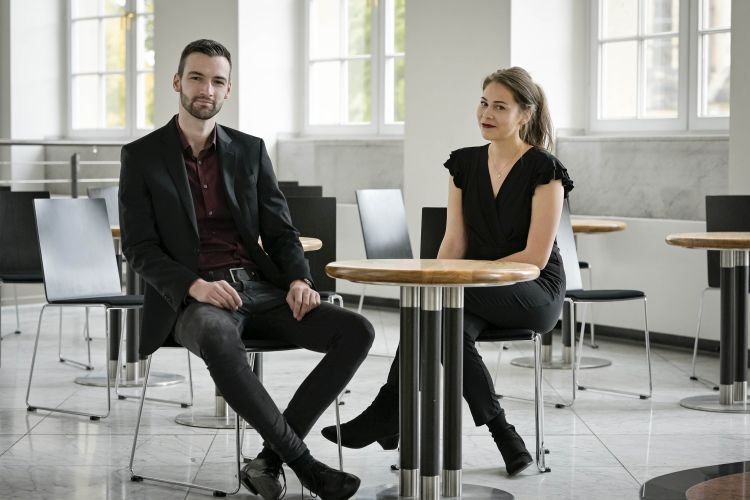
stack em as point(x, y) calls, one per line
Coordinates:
point(582, 264)
point(109, 301)
point(21, 277)
point(267, 345)
point(505, 335)
point(603, 295)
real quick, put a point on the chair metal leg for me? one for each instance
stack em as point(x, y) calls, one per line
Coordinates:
point(361, 299)
point(18, 316)
point(34, 407)
point(541, 451)
point(648, 362)
point(500, 346)
point(693, 376)
point(86, 366)
point(592, 329)
point(134, 476)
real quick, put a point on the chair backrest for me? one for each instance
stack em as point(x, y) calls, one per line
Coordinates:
point(286, 184)
point(566, 242)
point(302, 191)
point(4, 188)
point(110, 196)
point(383, 219)
point(316, 217)
point(432, 231)
point(78, 255)
point(19, 247)
point(724, 213)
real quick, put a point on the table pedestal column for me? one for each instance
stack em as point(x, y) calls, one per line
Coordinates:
point(732, 396)
point(453, 353)
point(429, 452)
point(409, 392)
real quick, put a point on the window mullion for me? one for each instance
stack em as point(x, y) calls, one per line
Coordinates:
point(377, 66)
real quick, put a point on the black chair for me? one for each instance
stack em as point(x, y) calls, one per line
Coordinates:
point(575, 295)
point(285, 184)
point(253, 348)
point(19, 255)
point(302, 191)
point(432, 231)
point(110, 196)
point(80, 270)
point(316, 217)
point(723, 213)
point(4, 188)
point(384, 228)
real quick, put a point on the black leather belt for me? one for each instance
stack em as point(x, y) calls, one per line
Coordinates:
point(231, 275)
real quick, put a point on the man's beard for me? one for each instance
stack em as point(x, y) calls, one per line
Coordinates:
point(200, 113)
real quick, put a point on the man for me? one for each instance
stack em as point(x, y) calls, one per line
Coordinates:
point(195, 197)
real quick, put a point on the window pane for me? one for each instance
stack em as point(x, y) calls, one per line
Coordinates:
point(662, 78)
point(146, 100)
point(145, 42)
point(619, 79)
point(359, 27)
point(394, 26)
point(85, 102)
point(325, 19)
point(84, 8)
point(85, 46)
point(716, 14)
point(114, 7)
point(661, 16)
point(115, 101)
point(619, 18)
point(360, 91)
point(715, 75)
point(145, 6)
point(325, 89)
point(394, 90)
point(114, 44)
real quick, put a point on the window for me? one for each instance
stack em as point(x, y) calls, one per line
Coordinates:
point(355, 66)
point(111, 84)
point(660, 64)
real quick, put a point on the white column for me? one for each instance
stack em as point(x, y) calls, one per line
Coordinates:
point(451, 46)
point(739, 121)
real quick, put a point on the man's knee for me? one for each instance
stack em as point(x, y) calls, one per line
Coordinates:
point(358, 330)
point(209, 326)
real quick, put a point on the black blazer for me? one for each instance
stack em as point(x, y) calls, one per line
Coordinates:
point(159, 229)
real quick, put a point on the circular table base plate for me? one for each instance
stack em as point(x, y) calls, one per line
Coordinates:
point(469, 492)
point(205, 419)
point(710, 402)
point(155, 379)
point(559, 364)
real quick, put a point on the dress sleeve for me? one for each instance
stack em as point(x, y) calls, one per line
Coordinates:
point(456, 166)
point(551, 169)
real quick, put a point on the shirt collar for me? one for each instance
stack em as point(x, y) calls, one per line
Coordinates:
point(184, 141)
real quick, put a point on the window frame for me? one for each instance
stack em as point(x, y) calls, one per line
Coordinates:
point(687, 120)
point(378, 57)
point(131, 73)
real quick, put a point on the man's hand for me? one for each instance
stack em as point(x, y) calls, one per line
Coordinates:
point(301, 299)
point(217, 293)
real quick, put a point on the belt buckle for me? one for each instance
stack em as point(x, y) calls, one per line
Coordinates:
point(237, 274)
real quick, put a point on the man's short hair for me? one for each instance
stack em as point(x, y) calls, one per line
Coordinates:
point(211, 48)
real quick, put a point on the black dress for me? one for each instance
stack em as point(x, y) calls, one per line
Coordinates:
point(498, 226)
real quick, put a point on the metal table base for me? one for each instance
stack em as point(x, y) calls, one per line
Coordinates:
point(711, 402)
point(155, 379)
point(469, 492)
point(560, 364)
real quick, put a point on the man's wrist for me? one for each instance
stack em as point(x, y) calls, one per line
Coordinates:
point(307, 282)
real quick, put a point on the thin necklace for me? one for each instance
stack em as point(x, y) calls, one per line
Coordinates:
point(502, 171)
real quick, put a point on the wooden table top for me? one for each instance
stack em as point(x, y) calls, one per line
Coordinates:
point(308, 244)
point(444, 272)
point(591, 226)
point(711, 240)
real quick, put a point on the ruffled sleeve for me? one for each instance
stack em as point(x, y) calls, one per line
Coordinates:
point(456, 165)
point(551, 169)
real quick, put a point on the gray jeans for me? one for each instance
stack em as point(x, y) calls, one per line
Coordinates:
point(216, 336)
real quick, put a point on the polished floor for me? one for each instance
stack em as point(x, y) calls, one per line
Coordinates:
point(605, 446)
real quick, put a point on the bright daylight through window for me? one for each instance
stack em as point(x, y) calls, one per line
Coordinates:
point(111, 66)
point(355, 71)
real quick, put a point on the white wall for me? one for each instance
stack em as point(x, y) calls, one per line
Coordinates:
point(179, 22)
point(549, 40)
point(739, 121)
point(451, 47)
point(5, 76)
point(270, 69)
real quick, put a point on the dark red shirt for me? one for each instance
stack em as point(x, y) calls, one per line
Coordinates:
point(220, 242)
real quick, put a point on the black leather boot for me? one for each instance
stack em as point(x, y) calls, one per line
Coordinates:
point(379, 422)
point(510, 444)
point(322, 481)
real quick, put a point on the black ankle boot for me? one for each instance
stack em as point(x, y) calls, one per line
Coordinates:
point(510, 444)
point(379, 422)
point(322, 481)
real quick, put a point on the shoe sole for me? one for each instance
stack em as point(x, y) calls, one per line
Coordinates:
point(245, 480)
point(516, 472)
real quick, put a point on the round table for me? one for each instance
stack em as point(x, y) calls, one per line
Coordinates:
point(221, 416)
point(580, 226)
point(427, 287)
point(732, 397)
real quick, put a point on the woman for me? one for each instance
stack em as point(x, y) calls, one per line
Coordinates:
point(504, 203)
